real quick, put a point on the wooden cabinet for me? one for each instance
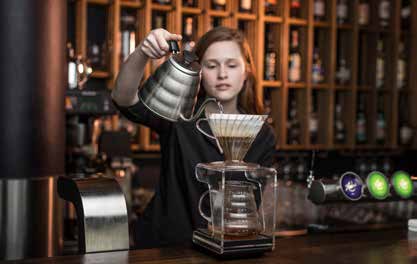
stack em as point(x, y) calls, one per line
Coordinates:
point(359, 79)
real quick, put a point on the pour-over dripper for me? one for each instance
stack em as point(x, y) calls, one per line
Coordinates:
point(234, 133)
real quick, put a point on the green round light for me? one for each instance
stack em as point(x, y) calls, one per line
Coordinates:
point(377, 185)
point(402, 184)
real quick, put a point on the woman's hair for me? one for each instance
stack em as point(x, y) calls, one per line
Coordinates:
point(247, 99)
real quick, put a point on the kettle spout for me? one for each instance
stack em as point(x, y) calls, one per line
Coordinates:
point(202, 108)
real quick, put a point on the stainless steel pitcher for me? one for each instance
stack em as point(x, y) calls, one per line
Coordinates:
point(171, 92)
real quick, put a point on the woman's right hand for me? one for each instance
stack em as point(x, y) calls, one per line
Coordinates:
point(155, 45)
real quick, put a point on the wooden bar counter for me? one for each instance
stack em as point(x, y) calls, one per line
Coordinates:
point(384, 246)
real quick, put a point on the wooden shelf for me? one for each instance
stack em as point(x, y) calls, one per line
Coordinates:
point(360, 55)
point(191, 10)
point(130, 4)
point(158, 7)
point(100, 74)
point(272, 19)
point(271, 83)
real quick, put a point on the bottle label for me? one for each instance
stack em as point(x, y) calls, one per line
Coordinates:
point(342, 11)
point(246, 4)
point(401, 73)
point(317, 73)
point(72, 75)
point(294, 73)
point(219, 2)
point(319, 8)
point(270, 66)
point(384, 10)
point(380, 65)
point(363, 14)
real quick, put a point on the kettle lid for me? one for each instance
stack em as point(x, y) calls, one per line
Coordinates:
point(186, 61)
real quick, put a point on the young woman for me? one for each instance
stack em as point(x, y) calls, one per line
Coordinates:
point(228, 75)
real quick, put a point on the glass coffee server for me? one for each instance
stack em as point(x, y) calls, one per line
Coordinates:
point(240, 203)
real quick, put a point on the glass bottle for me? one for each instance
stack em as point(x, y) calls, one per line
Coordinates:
point(401, 68)
point(128, 35)
point(270, 7)
point(342, 10)
point(295, 8)
point(294, 127)
point(384, 12)
point(314, 121)
point(319, 10)
point(363, 13)
point(380, 134)
point(270, 55)
point(317, 75)
point(380, 65)
point(72, 67)
point(361, 133)
point(339, 125)
point(294, 69)
point(218, 4)
point(245, 6)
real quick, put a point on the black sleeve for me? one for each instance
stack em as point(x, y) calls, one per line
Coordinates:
point(267, 157)
point(139, 113)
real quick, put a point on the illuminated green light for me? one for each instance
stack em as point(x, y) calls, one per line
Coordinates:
point(402, 184)
point(377, 185)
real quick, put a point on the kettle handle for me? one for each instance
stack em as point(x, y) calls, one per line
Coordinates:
point(200, 111)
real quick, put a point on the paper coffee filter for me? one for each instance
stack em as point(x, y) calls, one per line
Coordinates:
point(235, 132)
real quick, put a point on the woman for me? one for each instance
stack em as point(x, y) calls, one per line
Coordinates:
point(227, 75)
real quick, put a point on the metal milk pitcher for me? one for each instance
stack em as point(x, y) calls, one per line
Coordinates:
point(171, 92)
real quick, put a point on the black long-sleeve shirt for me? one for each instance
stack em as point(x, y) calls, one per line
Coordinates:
point(172, 215)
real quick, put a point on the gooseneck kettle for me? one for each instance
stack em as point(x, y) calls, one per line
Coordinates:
point(171, 91)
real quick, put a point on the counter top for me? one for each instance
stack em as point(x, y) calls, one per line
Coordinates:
point(384, 246)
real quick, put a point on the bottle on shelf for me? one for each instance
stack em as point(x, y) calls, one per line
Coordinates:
point(384, 12)
point(314, 120)
point(293, 125)
point(361, 133)
point(401, 67)
point(218, 4)
point(319, 10)
point(294, 68)
point(95, 56)
point(270, 55)
point(363, 12)
point(270, 7)
point(380, 64)
point(128, 35)
point(72, 67)
point(245, 6)
point(339, 124)
point(406, 132)
point(317, 74)
point(342, 11)
point(188, 33)
point(295, 8)
point(381, 125)
point(342, 74)
point(405, 13)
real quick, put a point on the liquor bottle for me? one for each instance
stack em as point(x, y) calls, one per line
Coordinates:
point(218, 4)
point(314, 121)
point(294, 69)
point(245, 6)
point(380, 134)
point(339, 125)
point(401, 68)
point(319, 10)
point(293, 125)
point(317, 74)
point(380, 65)
point(188, 33)
point(405, 13)
point(270, 7)
point(342, 11)
point(94, 56)
point(342, 74)
point(384, 12)
point(363, 13)
point(406, 132)
point(361, 134)
point(128, 36)
point(72, 67)
point(270, 56)
point(158, 20)
point(295, 8)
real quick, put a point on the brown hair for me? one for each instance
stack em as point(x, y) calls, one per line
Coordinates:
point(247, 99)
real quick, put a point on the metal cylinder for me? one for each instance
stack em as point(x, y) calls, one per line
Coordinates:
point(32, 138)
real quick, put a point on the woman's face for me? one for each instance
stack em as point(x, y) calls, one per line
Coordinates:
point(223, 70)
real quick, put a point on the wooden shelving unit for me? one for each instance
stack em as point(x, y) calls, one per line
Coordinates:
point(360, 42)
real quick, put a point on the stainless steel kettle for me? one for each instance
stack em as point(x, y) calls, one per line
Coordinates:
point(171, 92)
